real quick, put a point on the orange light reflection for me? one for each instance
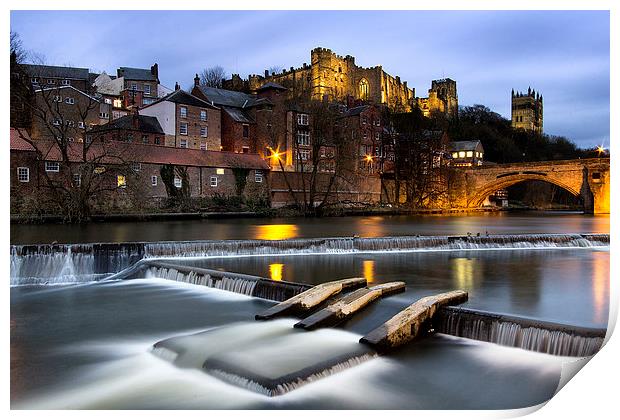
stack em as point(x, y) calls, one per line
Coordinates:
point(276, 232)
point(275, 271)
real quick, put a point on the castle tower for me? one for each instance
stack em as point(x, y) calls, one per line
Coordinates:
point(446, 91)
point(527, 110)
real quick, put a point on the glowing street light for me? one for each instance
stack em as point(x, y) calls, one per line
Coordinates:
point(600, 150)
point(368, 158)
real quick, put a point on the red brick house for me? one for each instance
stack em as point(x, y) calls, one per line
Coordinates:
point(140, 129)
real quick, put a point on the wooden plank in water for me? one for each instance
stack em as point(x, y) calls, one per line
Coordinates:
point(348, 305)
point(411, 322)
point(311, 298)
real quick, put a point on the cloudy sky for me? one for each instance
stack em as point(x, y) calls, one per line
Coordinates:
point(562, 54)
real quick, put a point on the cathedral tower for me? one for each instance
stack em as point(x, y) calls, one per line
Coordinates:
point(527, 110)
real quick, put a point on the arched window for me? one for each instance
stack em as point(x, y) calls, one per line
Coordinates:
point(364, 88)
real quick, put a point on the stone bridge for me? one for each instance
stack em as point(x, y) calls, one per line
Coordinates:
point(585, 178)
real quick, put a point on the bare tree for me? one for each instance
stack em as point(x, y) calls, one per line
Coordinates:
point(275, 69)
point(212, 76)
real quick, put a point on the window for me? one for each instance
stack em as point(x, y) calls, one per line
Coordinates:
point(157, 140)
point(70, 139)
point(129, 138)
point(70, 101)
point(183, 129)
point(145, 139)
point(304, 154)
point(245, 149)
point(183, 112)
point(118, 103)
point(246, 131)
point(147, 101)
point(461, 154)
point(57, 122)
point(147, 89)
point(219, 171)
point(66, 82)
point(364, 88)
point(70, 123)
point(80, 124)
point(153, 180)
point(35, 80)
point(136, 166)
point(57, 99)
point(469, 154)
point(203, 132)
point(99, 170)
point(214, 181)
point(134, 86)
point(108, 101)
point(183, 144)
point(23, 174)
point(303, 138)
point(455, 155)
point(302, 119)
point(203, 115)
point(178, 182)
point(596, 176)
point(203, 145)
point(121, 181)
point(258, 176)
point(77, 180)
point(377, 136)
point(52, 166)
point(104, 115)
point(51, 81)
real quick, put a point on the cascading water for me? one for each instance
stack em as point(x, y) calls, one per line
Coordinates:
point(236, 285)
point(505, 330)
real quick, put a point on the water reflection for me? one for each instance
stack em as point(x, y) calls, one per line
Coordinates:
point(276, 232)
point(369, 270)
point(600, 287)
point(463, 272)
point(275, 271)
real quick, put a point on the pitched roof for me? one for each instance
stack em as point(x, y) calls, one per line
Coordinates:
point(271, 85)
point(179, 96)
point(356, 111)
point(238, 115)
point(130, 73)
point(115, 152)
point(143, 123)
point(465, 145)
point(18, 142)
point(230, 98)
point(35, 70)
point(66, 87)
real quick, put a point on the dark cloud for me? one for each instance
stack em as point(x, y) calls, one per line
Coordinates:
point(563, 54)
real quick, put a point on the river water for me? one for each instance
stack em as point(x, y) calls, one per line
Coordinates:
point(89, 345)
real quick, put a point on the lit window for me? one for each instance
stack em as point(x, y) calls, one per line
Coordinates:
point(136, 166)
point(219, 171)
point(302, 119)
point(455, 155)
point(214, 181)
point(183, 112)
point(121, 181)
point(52, 166)
point(203, 131)
point(77, 180)
point(258, 176)
point(118, 103)
point(303, 138)
point(203, 115)
point(147, 89)
point(470, 154)
point(364, 88)
point(99, 169)
point(183, 129)
point(183, 144)
point(461, 154)
point(178, 182)
point(23, 174)
point(203, 145)
point(154, 180)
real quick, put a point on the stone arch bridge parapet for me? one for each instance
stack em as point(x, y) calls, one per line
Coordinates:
point(587, 178)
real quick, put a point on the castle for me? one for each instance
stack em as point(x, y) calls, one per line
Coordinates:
point(337, 78)
point(527, 110)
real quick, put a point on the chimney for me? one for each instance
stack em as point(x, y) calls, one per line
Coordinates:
point(196, 80)
point(155, 71)
point(176, 86)
point(266, 73)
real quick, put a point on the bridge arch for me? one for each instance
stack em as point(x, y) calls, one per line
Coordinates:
point(501, 182)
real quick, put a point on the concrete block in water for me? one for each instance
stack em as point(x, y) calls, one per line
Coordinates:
point(411, 322)
point(348, 305)
point(311, 298)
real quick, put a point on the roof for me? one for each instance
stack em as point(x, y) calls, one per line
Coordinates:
point(130, 73)
point(115, 152)
point(67, 87)
point(271, 85)
point(18, 142)
point(356, 111)
point(238, 115)
point(35, 70)
point(230, 98)
point(179, 96)
point(465, 145)
point(144, 124)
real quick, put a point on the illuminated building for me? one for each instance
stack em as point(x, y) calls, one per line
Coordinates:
point(527, 110)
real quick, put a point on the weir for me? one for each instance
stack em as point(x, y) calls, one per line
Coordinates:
point(33, 264)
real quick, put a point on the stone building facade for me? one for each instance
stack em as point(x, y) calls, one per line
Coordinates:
point(442, 97)
point(527, 110)
point(335, 78)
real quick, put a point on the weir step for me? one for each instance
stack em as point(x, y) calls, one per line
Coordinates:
point(345, 307)
point(309, 299)
point(412, 322)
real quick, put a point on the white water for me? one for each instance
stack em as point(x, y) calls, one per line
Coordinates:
point(236, 285)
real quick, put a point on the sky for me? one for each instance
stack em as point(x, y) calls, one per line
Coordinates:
point(562, 54)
